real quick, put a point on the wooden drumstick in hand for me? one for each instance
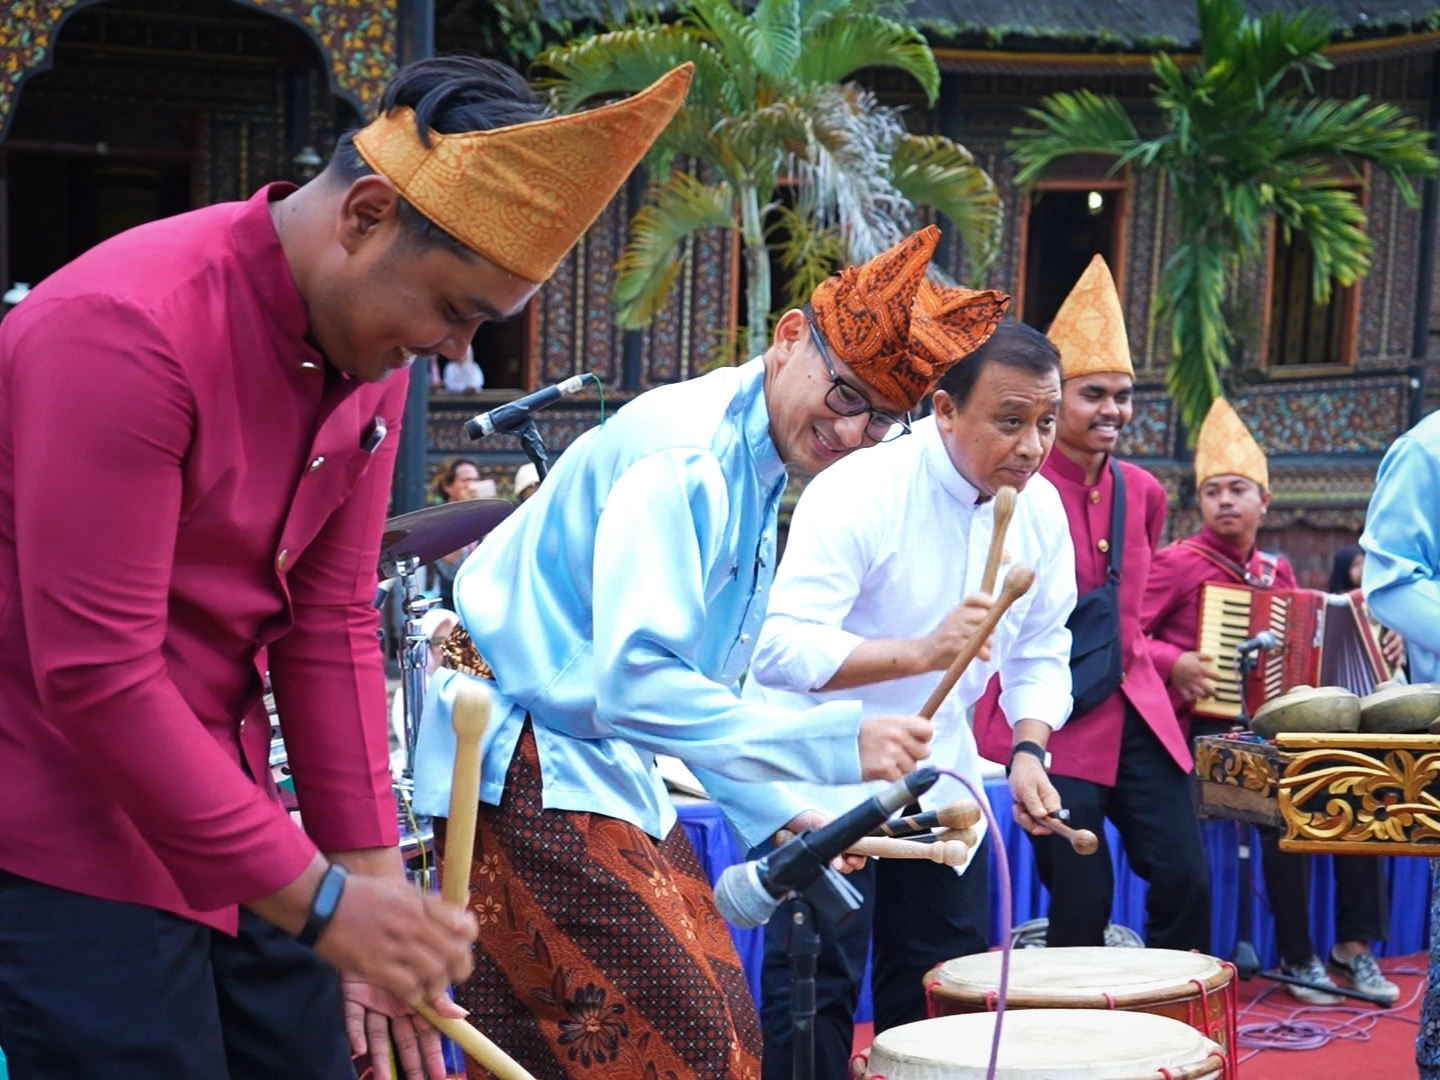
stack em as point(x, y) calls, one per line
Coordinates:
point(960, 814)
point(1083, 841)
point(472, 716)
point(1004, 511)
point(948, 851)
point(1017, 584)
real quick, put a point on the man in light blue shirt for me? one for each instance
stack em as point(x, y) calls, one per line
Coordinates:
point(1402, 586)
point(616, 611)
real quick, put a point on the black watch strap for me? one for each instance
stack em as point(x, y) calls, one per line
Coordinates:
point(1028, 747)
point(322, 908)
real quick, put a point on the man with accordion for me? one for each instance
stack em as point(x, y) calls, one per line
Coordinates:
point(1200, 595)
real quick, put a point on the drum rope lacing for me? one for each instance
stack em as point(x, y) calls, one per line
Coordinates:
point(1002, 862)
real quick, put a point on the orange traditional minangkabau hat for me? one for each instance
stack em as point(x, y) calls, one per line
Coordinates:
point(1226, 448)
point(898, 332)
point(1089, 328)
point(522, 196)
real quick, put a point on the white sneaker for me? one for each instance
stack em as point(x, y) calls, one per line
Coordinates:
point(1364, 974)
point(1312, 971)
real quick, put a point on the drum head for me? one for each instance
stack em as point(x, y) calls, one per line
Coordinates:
point(1045, 1044)
point(1081, 977)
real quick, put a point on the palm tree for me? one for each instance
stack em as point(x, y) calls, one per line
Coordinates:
point(767, 107)
point(1245, 142)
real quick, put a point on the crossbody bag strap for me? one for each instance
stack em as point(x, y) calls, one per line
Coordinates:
point(1117, 523)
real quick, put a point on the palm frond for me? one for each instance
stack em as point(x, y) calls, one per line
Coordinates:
point(1383, 134)
point(774, 38)
point(808, 252)
point(1333, 220)
point(930, 170)
point(1080, 123)
point(652, 260)
point(840, 44)
point(1192, 297)
point(843, 173)
point(624, 61)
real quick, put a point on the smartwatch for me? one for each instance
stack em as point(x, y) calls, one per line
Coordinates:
point(322, 908)
point(1028, 747)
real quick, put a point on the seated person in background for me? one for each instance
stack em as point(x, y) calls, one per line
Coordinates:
point(1233, 480)
point(464, 376)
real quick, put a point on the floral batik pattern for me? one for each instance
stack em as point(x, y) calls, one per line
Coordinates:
point(1427, 1043)
point(601, 953)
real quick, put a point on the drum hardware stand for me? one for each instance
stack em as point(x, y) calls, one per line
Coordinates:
point(1245, 958)
point(414, 658)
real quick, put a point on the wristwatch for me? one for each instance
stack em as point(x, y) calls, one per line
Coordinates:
point(1028, 747)
point(322, 908)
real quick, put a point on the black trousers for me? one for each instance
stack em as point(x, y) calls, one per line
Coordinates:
point(1362, 898)
point(917, 914)
point(1152, 808)
point(100, 990)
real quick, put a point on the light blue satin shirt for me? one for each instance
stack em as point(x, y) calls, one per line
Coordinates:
point(619, 607)
point(1402, 546)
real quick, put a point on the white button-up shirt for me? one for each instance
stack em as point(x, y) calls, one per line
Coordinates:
point(884, 544)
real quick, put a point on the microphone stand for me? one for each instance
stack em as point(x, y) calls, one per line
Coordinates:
point(1245, 958)
point(534, 447)
point(804, 956)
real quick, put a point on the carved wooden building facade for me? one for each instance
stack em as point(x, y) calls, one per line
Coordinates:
point(116, 111)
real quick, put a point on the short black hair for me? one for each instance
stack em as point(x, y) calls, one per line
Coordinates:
point(451, 95)
point(1013, 345)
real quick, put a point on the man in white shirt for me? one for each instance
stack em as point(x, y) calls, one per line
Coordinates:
point(882, 548)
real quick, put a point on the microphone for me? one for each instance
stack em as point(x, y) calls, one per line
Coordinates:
point(514, 415)
point(747, 894)
point(1266, 640)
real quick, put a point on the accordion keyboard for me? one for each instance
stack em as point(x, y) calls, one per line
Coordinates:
point(1224, 624)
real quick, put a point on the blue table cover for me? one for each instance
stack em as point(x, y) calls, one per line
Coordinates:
point(718, 847)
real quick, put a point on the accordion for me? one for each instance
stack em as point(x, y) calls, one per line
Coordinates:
point(1326, 639)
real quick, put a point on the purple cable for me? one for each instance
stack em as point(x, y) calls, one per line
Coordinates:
point(1005, 914)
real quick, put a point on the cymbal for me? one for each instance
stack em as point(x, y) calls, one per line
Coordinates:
point(436, 531)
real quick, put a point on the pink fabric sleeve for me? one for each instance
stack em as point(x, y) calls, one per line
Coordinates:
point(102, 419)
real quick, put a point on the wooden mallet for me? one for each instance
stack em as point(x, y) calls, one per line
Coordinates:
point(472, 716)
point(1083, 841)
point(1017, 584)
point(960, 814)
point(948, 850)
point(1004, 511)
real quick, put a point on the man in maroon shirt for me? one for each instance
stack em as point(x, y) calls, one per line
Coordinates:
point(196, 442)
point(1121, 754)
point(1233, 481)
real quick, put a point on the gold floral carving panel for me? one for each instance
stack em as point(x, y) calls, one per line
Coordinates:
point(1361, 794)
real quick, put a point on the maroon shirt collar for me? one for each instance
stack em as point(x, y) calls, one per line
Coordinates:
point(1209, 538)
point(1061, 467)
point(262, 260)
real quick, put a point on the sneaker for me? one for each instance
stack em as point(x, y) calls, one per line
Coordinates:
point(1312, 971)
point(1363, 973)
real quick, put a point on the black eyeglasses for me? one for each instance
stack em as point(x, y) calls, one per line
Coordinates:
point(845, 400)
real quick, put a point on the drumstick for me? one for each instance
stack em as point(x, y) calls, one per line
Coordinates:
point(960, 814)
point(471, 717)
point(1004, 511)
point(951, 851)
point(1017, 584)
point(1082, 840)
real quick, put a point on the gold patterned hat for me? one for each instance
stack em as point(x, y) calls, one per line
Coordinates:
point(1226, 448)
point(1089, 329)
point(897, 332)
point(522, 196)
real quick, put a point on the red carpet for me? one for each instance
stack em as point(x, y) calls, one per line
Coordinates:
point(1366, 1043)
